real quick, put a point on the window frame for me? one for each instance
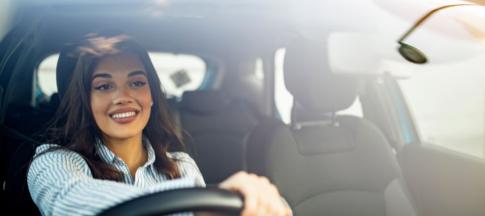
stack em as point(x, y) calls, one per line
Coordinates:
point(384, 104)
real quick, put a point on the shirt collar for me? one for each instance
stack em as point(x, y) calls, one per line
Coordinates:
point(104, 152)
point(150, 151)
point(109, 157)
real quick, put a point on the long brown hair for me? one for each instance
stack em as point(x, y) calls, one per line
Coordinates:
point(74, 127)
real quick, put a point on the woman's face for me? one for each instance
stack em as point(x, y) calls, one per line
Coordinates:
point(120, 96)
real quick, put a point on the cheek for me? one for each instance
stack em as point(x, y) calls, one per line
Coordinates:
point(145, 98)
point(98, 106)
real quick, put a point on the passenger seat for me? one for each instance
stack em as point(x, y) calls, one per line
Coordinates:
point(323, 163)
point(217, 129)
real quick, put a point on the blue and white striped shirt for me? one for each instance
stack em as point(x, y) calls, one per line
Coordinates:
point(61, 183)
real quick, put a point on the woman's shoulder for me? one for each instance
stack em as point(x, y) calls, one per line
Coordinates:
point(187, 166)
point(45, 147)
point(54, 158)
point(180, 156)
point(56, 152)
point(49, 147)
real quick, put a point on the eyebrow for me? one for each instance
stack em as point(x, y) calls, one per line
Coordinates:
point(102, 75)
point(134, 73)
point(107, 75)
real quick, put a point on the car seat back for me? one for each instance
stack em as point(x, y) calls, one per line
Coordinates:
point(218, 128)
point(323, 163)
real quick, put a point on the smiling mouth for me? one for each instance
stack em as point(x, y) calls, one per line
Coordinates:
point(123, 115)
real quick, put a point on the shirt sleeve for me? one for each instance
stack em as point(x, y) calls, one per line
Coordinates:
point(60, 183)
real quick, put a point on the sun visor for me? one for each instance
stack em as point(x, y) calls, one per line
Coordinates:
point(358, 53)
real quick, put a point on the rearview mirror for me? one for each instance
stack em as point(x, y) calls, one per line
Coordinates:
point(412, 53)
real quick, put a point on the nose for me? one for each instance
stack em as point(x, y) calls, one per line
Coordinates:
point(122, 96)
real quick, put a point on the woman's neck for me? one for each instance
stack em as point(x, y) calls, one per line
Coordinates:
point(130, 150)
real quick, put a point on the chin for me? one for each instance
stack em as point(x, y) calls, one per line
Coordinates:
point(120, 134)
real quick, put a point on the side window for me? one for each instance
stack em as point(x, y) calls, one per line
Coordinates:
point(177, 73)
point(448, 105)
point(284, 99)
point(46, 75)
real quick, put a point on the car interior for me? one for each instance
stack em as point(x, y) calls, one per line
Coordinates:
point(326, 159)
point(336, 158)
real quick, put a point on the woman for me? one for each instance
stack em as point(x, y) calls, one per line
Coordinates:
point(113, 131)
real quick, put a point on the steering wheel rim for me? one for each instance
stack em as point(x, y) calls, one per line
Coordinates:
point(180, 200)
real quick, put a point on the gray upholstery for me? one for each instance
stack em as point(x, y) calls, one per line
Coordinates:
point(317, 92)
point(327, 165)
point(217, 130)
point(204, 102)
point(65, 66)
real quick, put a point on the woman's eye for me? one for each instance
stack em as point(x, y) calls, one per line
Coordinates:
point(138, 84)
point(103, 87)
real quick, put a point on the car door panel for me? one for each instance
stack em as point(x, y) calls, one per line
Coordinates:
point(444, 182)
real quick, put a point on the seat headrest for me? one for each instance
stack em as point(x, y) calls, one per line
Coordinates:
point(309, 79)
point(204, 102)
point(65, 67)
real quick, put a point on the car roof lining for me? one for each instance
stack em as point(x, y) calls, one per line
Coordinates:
point(207, 36)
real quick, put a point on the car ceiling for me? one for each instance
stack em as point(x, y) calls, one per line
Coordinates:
point(225, 28)
point(200, 29)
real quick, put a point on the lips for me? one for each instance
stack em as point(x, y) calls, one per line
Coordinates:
point(123, 116)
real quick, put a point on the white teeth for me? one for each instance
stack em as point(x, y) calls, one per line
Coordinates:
point(123, 115)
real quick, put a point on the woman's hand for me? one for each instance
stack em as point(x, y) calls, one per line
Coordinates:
point(260, 196)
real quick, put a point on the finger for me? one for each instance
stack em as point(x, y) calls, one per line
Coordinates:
point(266, 210)
point(264, 205)
point(267, 194)
point(261, 197)
point(289, 212)
point(273, 199)
point(251, 202)
point(276, 207)
point(264, 180)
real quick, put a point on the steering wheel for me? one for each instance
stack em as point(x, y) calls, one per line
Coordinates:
point(180, 200)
